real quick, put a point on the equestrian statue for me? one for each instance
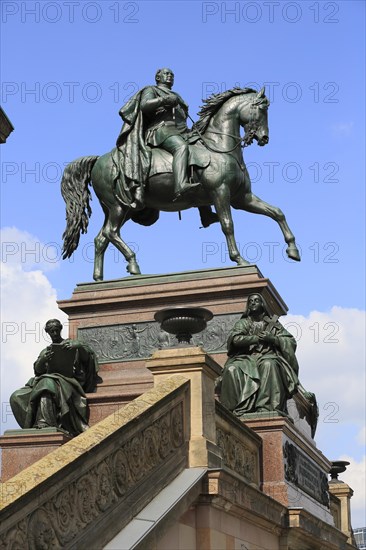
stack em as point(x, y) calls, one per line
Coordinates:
point(159, 164)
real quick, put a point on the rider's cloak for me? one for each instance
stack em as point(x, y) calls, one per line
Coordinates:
point(131, 157)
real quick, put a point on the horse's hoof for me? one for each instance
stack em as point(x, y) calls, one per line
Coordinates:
point(293, 253)
point(133, 268)
point(97, 278)
point(243, 262)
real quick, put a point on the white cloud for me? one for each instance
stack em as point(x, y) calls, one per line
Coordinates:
point(28, 300)
point(331, 354)
point(20, 248)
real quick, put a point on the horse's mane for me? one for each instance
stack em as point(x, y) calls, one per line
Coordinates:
point(213, 103)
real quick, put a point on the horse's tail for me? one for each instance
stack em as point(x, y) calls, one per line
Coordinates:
point(76, 194)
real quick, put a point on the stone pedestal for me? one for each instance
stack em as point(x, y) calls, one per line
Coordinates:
point(195, 365)
point(343, 493)
point(294, 470)
point(21, 448)
point(117, 319)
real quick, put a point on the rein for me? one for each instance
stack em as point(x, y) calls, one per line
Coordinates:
point(242, 141)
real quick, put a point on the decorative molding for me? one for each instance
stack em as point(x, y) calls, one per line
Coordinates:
point(56, 524)
point(244, 499)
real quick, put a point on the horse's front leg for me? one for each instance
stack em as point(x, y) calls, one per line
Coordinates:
point(221, 199)
point(252, 203)
point(116, 218)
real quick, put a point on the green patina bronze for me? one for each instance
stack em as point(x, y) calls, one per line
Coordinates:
point(261, 372)
point(159, 165)
point(55, 396)
point(160, 116)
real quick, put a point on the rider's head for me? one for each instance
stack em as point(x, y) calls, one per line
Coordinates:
point(164, 76)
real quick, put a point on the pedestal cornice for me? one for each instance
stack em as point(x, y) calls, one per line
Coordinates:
point(161, 290)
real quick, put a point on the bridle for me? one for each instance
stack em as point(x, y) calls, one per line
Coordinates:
point(245, 141)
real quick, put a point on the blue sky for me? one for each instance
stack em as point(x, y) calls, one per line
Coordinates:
point(67, 68)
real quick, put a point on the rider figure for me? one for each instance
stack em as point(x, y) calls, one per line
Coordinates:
point(165, 115)
point(157, 117)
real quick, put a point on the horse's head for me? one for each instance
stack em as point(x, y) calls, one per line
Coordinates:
point(254, 119)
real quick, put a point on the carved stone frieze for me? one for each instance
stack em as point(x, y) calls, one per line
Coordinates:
point(41, 534)
point(236, 455)
point(121, 475)
point(56, 523)
point(65, 524)
point(16, 537)
point(135, 341)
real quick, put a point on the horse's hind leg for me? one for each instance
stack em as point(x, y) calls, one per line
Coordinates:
point(116, 218)
point(252, 203)
point(100, 246)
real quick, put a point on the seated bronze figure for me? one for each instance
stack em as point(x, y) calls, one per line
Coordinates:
point(55, 396)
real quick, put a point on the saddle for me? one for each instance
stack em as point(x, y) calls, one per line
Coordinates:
point(161, 160)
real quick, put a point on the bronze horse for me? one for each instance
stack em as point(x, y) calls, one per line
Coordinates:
point(225, 182)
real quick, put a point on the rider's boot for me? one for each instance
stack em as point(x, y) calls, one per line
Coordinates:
point(207, 216)
point(138, 203)
point(180, 162)
point(184, 188)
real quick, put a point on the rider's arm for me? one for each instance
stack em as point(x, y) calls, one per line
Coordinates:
point(150, 103)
